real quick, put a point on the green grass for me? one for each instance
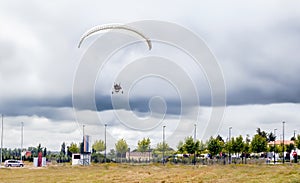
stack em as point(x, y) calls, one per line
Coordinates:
point(153, 173)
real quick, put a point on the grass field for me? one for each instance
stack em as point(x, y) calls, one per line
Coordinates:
point(153, 173)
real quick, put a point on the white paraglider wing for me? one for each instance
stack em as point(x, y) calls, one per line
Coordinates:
point(107, 27)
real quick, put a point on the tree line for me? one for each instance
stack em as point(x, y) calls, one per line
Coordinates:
point(214, 147)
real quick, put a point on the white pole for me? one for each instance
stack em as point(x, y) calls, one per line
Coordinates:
point(22, 124)
point(163, 145)
point(229, 158)
point(195, 143)
point(105, 125)
point(283, 140)
point(1, 142)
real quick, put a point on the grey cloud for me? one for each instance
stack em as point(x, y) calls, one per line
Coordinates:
point(46, 107)
point(266, 66)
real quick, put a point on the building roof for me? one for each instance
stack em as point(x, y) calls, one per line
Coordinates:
point(279, 142)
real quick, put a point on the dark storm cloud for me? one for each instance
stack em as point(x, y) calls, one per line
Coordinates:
point(137, 104)
point(43, 107)
point(257, 96)
point(267, 62)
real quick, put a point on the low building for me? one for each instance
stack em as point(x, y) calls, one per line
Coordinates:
point(81, 159)
point(139, 156)
point(280, 142)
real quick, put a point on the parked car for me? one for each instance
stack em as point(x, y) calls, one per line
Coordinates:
point(13, 163)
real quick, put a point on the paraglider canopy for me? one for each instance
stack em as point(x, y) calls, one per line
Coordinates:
point(113, 26)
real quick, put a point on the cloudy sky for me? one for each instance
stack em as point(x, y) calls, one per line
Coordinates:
point(255, 44)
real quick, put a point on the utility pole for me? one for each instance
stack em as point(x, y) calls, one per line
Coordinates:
point(195, 144)
point(105, 142)
point(1, 142)
point(163, 160)
point(274, 143)
point(83, 130)
point(149, 154)
point(283, 140)
point(229, 158)
point(83, 137)
point(83, 142)
point(294, 140)
point(22, 125)
point(129, 154)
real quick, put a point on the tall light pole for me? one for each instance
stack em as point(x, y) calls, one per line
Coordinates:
point(129, 154)
point(105, 125)
point(83, 148)
point(22, 125)
point(274, 143)
point(83, 129)
point(229, 158)
point(195, 125)
point(149, 154)
point(163, 160)
point(83, 138)
point(294, 140)
point(1, 141)
point(283, 139)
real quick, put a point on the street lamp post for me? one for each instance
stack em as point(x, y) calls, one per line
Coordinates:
point(83, 132)
point(105, 142)
point(229, 158)
point(22, 124)
point(83, 138)
point(294, 140)
point(195, 143)
point(129, 154)
point(283, 140)
point(163, 160)
point(1, 141)
point(149, 154)
point(274, 143)
point(83, 148)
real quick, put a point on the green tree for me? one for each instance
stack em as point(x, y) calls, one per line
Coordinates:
point(228, 146)
point(238, 145)
point(180, 147)
point(219, 138)
point(261, 133)
point(98, 146)
point(39, 148)
point(297, 141)
point(202, 147)
point(289, 147)
point(258, 144)
point(293, 138)
point(45, 152)
point(214, 146)
point(121, 147)
point(162, 147)
point(73, 148)
point(144, 145)
point(271, 137)
point(190, 146)
point(63, 149)
point(246, 148)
